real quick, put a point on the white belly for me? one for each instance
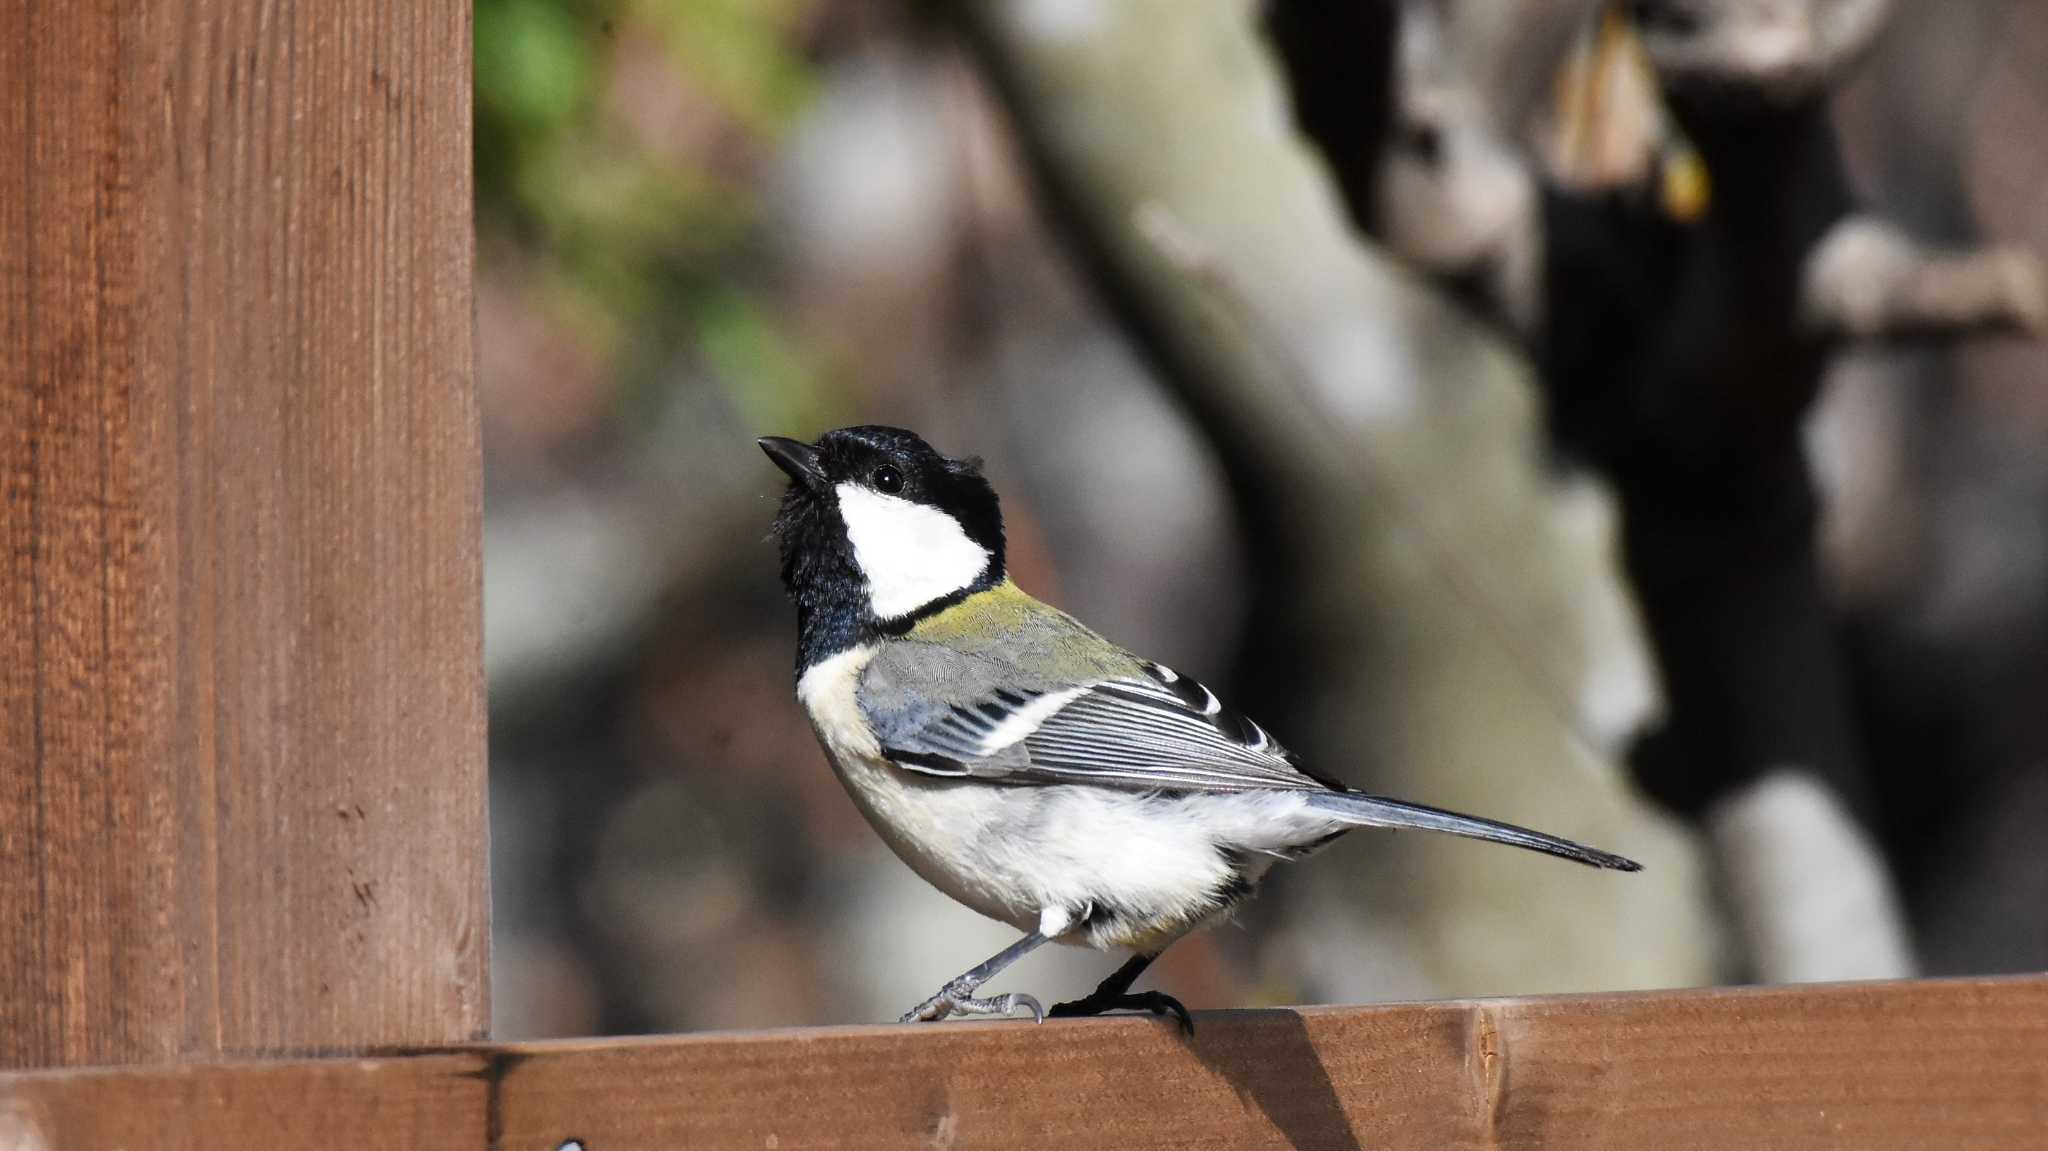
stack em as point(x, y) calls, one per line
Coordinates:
point(951, 834)
point(1125, 869)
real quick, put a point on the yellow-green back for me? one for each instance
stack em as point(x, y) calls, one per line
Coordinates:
point(1034, 637)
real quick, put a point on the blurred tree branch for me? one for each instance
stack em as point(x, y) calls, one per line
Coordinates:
point(1683, 261)
point(1868, 281)
point(1384, 447)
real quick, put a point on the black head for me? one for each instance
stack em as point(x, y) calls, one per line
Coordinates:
point(877, 531)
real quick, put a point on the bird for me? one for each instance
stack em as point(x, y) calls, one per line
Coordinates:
point(1016, 760)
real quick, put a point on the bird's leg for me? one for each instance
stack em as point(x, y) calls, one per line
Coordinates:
point(1114, 994)
point(957, 996)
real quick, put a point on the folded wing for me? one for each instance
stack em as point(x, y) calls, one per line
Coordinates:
point(1157, 730)
point(949, 714)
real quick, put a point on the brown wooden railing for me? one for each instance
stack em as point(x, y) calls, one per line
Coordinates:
point(242, 855)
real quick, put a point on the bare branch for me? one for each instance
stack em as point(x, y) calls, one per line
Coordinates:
point(1781, 51)
point(1384, 448)
point(1868, 280)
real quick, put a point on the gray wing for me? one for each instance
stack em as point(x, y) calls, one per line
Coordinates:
point(944, 713)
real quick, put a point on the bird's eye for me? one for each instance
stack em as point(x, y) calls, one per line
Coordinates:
point(888, 479)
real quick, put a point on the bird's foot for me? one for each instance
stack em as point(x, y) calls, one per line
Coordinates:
point(957, 999)
point(1098, 1003)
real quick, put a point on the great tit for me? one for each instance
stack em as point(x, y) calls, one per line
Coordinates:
point(1016, 760)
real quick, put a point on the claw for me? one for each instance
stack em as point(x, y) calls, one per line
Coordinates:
point(957, 996)
point(951, 1001)
point(939, 1006)
point(1153, 1002)
point(1016, 999)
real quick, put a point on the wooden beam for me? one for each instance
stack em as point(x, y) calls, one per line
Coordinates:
point(241, 711)
point(1877, 1067)
point(426, 1102)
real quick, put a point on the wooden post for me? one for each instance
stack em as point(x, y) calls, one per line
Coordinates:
point(241, 709)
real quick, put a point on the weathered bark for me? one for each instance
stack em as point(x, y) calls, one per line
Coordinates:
point(1444, 627)
point(1683, 341)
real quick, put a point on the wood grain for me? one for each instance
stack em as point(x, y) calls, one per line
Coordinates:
point(241, 713)
point(1875, 1067)
point(429, 1103)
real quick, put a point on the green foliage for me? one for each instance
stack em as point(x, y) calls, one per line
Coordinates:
point(643, 237)
point(739, 50)
point(784, 385)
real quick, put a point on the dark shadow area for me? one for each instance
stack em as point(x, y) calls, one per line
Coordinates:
point(1270, 1060)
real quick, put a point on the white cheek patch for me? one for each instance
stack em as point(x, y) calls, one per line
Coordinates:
point(911, 554)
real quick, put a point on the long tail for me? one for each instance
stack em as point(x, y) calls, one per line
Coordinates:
point(1356, 807)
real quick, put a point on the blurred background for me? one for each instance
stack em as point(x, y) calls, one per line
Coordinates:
point(1619, 420)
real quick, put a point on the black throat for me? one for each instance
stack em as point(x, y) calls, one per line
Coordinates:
point(822, 579)
point(820, 572)
point(831, 596)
